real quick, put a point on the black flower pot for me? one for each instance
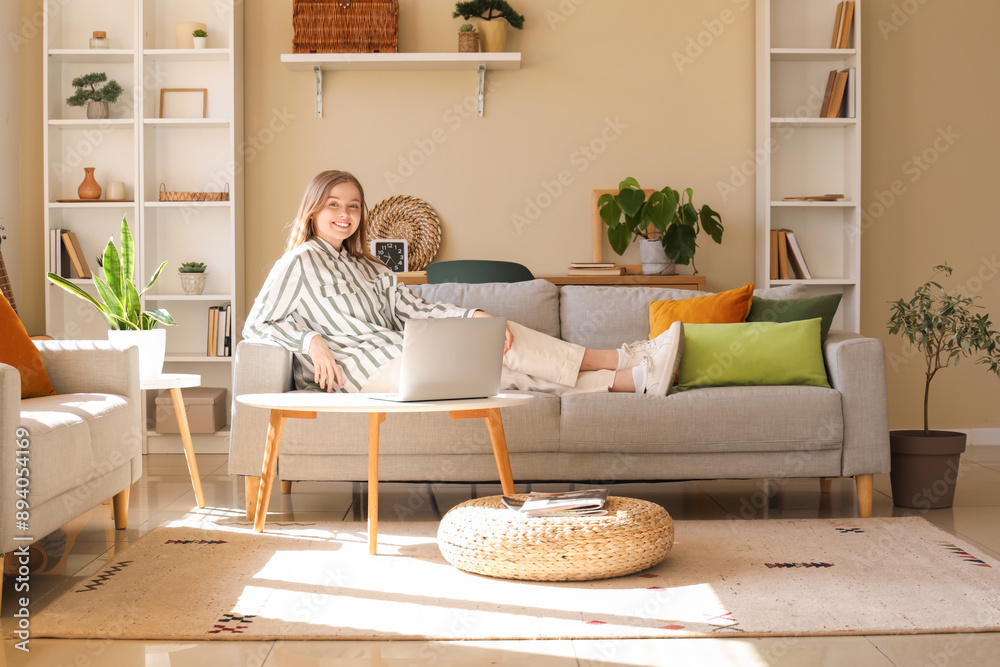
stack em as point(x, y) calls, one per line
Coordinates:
point(925, 467)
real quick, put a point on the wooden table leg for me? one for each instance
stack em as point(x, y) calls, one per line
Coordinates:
point(274, 428)
point(494, 424)
point(251, 486)
point(374, 419)
point(185, 430)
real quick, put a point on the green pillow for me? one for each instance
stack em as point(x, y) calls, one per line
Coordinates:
point(791, 310)
point(752, 353)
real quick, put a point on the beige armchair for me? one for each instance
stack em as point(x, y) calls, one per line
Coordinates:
point(79, 448)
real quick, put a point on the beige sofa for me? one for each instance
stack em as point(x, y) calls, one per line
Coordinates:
point(712, 433)
point(80, 448)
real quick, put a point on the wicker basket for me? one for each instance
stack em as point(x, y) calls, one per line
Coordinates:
point(181, 195)
point(468, 42)
point(405, 217)
point(345, 26)
point(484, 537)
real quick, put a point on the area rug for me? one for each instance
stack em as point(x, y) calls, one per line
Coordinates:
point(722, 578)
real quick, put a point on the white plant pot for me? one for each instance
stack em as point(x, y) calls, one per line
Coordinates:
point(200, 42)
point(193, 283)
point(182, 33)
point(152, 346)
point(654, 259)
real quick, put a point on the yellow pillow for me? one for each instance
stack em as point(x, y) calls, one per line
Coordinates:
point(17, 350)
point(722, 308)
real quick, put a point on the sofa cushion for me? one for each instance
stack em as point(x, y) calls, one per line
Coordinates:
point(605, 317)
point(752, 353)
point(533, 303)
point(75, 438)
point(757, 419)
point(729, 306)
point(790, 310)
point(18, 350)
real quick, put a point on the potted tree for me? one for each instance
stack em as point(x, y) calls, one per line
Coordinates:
point(666, 225)
point(496, 15)
point(120, 307)
point(192, 275)
point(942, 326)
point(96, 99)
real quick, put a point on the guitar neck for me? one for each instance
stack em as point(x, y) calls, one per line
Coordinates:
point(5, 284)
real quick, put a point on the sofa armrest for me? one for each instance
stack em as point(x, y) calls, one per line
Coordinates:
point(856, 367)
point(259, 368)
point(91, 366)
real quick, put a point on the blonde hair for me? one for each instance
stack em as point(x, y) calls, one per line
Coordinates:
point(302, 227)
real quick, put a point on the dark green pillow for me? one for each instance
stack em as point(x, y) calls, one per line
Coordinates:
point(793, 310)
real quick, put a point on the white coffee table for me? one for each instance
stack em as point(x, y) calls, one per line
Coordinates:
point(306, 405)
point(175, 382)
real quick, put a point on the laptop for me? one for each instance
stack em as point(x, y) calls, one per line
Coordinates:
point(450, 358)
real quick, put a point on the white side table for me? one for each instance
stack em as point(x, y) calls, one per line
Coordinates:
point(175, 382)
point(305, 405)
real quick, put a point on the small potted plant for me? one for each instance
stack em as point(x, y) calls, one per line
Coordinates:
point(120, 301)
point(666, 224)
point(96, 99)
point(193, 277)
point(200, 38)
point(942, 326)
point(496, 15)
point(468, 39)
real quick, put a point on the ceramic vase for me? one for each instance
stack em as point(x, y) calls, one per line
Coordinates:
point(152, 344)
point(654, 259)
point(182, 33)
point(493, 35)
point(89, 189)
point(193, 283)
point(98, 109)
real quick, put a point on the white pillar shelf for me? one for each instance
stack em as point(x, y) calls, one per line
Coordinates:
point(478, 62)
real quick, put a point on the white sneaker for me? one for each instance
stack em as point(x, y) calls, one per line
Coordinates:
point(633, 353)
point(659, 368)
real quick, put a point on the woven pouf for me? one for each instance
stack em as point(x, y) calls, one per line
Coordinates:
point(484, 537)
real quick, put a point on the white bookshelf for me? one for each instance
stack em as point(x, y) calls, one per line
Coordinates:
point(141, 149)
point(806, 154)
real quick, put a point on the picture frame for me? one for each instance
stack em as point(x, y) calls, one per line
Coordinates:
point(191, 105)
point(394, 253)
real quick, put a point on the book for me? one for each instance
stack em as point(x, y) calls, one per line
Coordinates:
point(845, 26)
point(220, 333)
point(848, 109)
point(213, 324)
point(795, 256)
point(228, 346)
point(587, 502)
point(591, 265)
point(815, 198)
point(76, 256)
point(774, 254)
point(782, 255)
point(838, 25)
point(613, 271)
point(837, 96)
point(59, 260)
point(830, 81)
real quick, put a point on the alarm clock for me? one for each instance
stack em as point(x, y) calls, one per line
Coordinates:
point(391, 252)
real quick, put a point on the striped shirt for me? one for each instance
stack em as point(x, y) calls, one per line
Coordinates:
point(356, 305)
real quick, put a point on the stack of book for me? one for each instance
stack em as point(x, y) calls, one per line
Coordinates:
point(595, 269)
point(65, 254)
point(842, 25)
point(220, 331)
point(589, 502)
point(841, 90)
point(787, 261)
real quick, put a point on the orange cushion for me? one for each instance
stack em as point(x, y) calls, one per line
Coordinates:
point(722, 308)
point(17, 350)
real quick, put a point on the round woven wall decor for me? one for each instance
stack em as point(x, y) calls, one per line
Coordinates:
point(405, 217)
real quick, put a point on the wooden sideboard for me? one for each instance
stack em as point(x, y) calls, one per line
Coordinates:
point(634, 280)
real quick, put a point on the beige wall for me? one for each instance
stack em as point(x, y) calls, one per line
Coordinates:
point(623, 95)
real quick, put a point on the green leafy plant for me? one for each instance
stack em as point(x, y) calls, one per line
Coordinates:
point(489, 10)
point(87, 90)
point(199, 33)
point(192, 267)
point(120, 303)
point(945, 329)
point(665, 215)
point(466, 27)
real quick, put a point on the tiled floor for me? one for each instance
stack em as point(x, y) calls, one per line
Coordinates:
point(164, 493)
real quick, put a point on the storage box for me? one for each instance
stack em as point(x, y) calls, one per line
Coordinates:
point(206, 409)
point(345, 26)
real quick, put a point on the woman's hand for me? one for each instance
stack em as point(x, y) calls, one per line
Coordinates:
point(508, 337)
point(327, 369)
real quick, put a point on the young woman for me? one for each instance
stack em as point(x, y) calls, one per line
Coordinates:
point(341, 313)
